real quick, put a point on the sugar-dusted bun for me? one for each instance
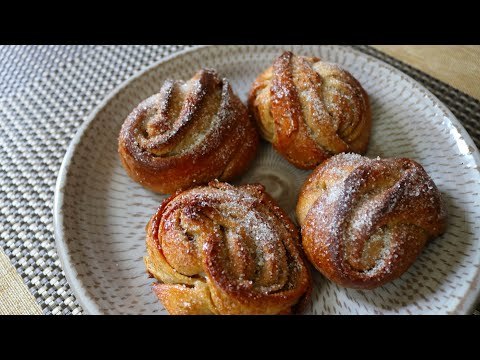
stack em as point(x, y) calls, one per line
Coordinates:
point(310, 109)
point(364, 221)
point(220, 249)
point(187, 134)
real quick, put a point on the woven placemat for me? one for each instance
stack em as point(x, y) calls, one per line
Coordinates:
point(46, 92)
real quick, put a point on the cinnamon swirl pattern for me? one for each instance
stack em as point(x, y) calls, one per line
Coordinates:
point(310, 110)
point(189, 133)
point(364, 221)
point(220, 249)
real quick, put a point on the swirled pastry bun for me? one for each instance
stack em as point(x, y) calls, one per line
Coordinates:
point(220, 249)
point(310, 109)
point(188, 134)
point(364, 221)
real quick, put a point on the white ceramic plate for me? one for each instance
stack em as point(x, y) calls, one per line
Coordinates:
point(100, 213)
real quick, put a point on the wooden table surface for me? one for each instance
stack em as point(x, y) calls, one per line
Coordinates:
point(456, 65)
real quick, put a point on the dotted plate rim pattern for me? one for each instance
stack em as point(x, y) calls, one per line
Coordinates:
point(468, 298)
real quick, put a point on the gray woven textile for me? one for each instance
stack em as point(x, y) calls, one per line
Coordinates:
point(46, 92)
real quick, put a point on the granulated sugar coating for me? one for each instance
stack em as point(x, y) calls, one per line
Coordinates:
point(189, 133)
point(310, 109)
point(235, 243)
point(368, 219)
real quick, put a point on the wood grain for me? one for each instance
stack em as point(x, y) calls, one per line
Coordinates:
point(14, 296)
point(457, 65)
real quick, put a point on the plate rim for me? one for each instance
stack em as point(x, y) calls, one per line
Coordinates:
point(467, 304)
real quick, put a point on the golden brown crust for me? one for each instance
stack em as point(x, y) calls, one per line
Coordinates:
point(220, 249)
point(364, 221)
point(188, 134)
point(310, 110)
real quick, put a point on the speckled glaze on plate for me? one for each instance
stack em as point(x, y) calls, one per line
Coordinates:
point(100, 213)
